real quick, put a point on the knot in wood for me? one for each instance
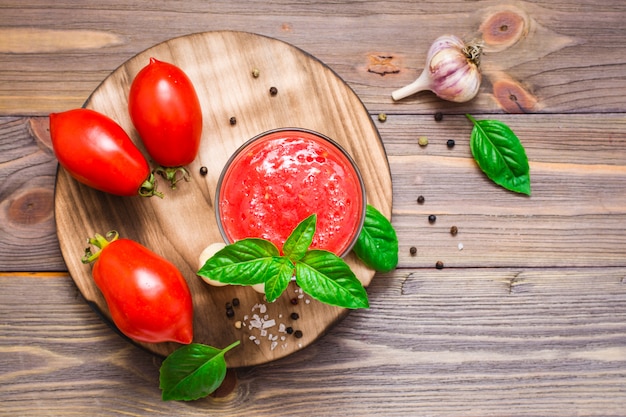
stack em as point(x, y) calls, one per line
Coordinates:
point(504, 28)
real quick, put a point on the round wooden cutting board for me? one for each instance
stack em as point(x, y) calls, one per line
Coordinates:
point(183, 223)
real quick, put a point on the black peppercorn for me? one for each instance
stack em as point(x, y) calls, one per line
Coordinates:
point(230, 313)
point(438, 116)
point(229, 306)
point(233, 120)
point(450, 143)
point(294, 301)
point(295, 316)
point(432, 219)
point(420, 199)
point(235, 302)
point(273, 91)
point(413, 250)
point(439, 265)
point(204, 170)
point(289, 330)
point(298, 334)
point(454, 230)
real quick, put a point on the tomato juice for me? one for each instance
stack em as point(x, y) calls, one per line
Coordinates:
point(279, 178)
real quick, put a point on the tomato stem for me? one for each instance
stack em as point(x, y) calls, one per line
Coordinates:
point(100, 242)
point(173, 174)
point(149, 188)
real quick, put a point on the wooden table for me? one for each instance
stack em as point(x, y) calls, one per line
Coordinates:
point(528, 315)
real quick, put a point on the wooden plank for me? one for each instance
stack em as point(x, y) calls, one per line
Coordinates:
point(505, 341)
point(527, 319)
point(575, 217)
point(540, 56)
point(28, 172)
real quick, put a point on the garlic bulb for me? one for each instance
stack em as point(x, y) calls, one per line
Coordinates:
point(452, 71)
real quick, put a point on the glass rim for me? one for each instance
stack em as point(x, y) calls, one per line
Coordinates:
point(341, 149)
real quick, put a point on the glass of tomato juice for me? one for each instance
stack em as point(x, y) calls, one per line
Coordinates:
point(278, 178)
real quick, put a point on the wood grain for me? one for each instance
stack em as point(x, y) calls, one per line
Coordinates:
point(438, 343)
point(179, 226)
point(27, 178)
point(569, 57)
point(28, 41)
point(575, 217)
point(526, 320)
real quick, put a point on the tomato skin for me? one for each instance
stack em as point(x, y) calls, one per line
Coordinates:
point(97, 152)
point(147, 296)
point(165, 110)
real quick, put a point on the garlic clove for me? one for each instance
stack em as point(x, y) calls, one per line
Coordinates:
point(260, 288)
point(207, 253)
point(451, 72)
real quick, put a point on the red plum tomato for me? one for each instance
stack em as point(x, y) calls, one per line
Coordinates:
point(97, 152)
point(147, 296)
point(165, 110)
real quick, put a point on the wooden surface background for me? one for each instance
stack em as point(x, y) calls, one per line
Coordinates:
point(528, 319)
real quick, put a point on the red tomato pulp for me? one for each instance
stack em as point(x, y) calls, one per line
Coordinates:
point(280, 178)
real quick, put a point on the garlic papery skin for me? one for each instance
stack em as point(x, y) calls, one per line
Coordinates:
point(452, 71)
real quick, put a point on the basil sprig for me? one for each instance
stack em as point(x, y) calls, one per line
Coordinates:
point(500, 154)
point(377, 244)
point(193, 371)
point(321, 274)
point(196, 370)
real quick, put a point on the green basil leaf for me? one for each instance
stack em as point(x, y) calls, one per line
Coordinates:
point(377, 244)
point(300, 239)
point(327, 278)
point(500, 154)
point(276, 283)
point(246, 262)
point(193, 371)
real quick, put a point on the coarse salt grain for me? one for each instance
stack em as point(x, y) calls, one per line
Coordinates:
point(260, 322)
point(460, 246)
